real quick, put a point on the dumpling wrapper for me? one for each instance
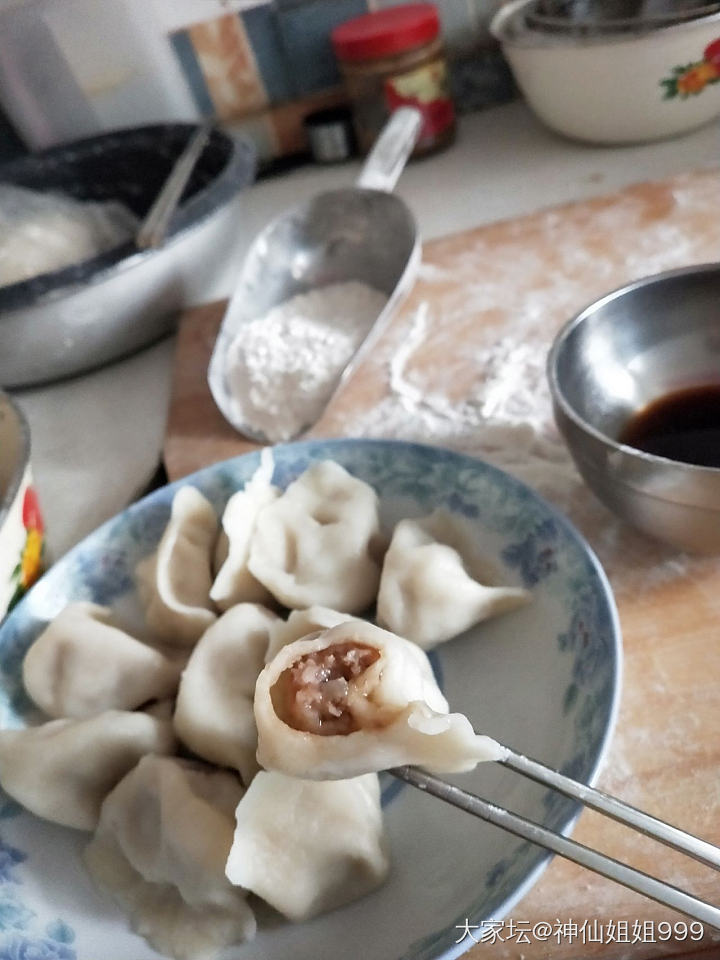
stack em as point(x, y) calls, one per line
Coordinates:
point(81, 665)
point(357, 699)
point(234, 583)
point(319, 542)
point(174, 583)
point(308, 846)
point(428, 593)
point(299, 624)
point(160, 850)
point(63, 770)
point(214, 710)
point(161, 709)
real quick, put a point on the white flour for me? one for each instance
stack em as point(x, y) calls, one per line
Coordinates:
point(508, 421)
point(282, 368)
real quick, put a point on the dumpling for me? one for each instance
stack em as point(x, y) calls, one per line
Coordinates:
point(299, 624)
point(174, 583)
point(81, 665)
point(306, 846)
point(319, 542)
point(160, 850)
point(161, 709)
point(63, 770)
point(429, 589)
point(214, 711)
point(234, 583)
point(357, 699)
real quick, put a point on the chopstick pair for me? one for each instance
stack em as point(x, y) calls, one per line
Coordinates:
point(637, 880)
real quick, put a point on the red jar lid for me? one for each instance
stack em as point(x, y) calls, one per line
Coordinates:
point(389, 31)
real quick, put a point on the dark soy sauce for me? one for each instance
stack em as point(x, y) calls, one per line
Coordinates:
point(683, 426)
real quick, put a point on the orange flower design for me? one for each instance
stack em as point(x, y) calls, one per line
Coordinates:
point(31, 560)
point(697, 78)
point(692, 78)
point(30, 566)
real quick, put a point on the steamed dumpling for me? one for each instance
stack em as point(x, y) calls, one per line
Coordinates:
point(234, 583)
point(318, 542)
point(214, 712)
point(81, 665)
point(299, 624)
point(63, 770)
point(428, 593)
point(306, 847)
point(357, 699)
point(160, 850)
point(174, 583)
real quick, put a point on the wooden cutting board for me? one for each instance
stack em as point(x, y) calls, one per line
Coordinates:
point(469, 344)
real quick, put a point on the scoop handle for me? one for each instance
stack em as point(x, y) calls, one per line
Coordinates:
point(391, 150)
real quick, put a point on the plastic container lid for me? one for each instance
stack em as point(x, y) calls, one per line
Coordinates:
point(386, 32)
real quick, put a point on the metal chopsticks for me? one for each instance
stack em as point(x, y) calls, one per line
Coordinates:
point(637, 880)
point(617, 809)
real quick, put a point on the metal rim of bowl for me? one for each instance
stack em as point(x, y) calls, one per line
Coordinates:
point(568, 328)
point(8, 497)
point(557, 23)
point(223, 188)
point(510, 30)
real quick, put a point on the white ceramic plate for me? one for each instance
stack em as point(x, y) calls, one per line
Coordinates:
point(543, 679)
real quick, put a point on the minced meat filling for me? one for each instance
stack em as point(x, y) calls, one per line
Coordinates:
point(314, 689)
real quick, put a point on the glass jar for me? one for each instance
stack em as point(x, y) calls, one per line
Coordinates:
point(395, 58)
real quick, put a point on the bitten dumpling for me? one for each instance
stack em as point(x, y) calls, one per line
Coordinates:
point(357, 699)
point(63, 770)
point(81, 665)
point(214, 711)
point(174, 583)
point(160, 850)
point(319, 542)
point(428, 593)
point(299, 624)
point(234, 583)
point(306, 847)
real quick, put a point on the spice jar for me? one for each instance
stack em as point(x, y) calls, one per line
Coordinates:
point(395, 58)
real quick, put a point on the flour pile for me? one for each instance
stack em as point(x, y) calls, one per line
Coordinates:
point(282, 368)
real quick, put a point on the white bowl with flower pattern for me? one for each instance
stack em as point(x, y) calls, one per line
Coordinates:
point(543, 679)
point(624, 87)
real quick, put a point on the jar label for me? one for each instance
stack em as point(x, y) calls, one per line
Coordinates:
point(427, 89)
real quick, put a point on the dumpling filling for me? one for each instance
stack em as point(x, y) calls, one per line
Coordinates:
point(312, 694)
point(356, 699)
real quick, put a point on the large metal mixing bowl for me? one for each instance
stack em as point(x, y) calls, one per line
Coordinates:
point(645, 341)
point(71, 320)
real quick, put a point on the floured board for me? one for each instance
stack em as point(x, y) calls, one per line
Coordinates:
point(462, 365)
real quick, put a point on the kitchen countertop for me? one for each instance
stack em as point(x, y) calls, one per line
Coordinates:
point(97, 438)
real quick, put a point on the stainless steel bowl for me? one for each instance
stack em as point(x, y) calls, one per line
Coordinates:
point(640, 343)
point(71, 320)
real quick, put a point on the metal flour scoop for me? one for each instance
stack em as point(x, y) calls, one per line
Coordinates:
point(361, 233)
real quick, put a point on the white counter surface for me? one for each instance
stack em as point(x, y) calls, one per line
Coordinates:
point(97, 438)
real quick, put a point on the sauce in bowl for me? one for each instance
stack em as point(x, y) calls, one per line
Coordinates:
point(683, 426)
